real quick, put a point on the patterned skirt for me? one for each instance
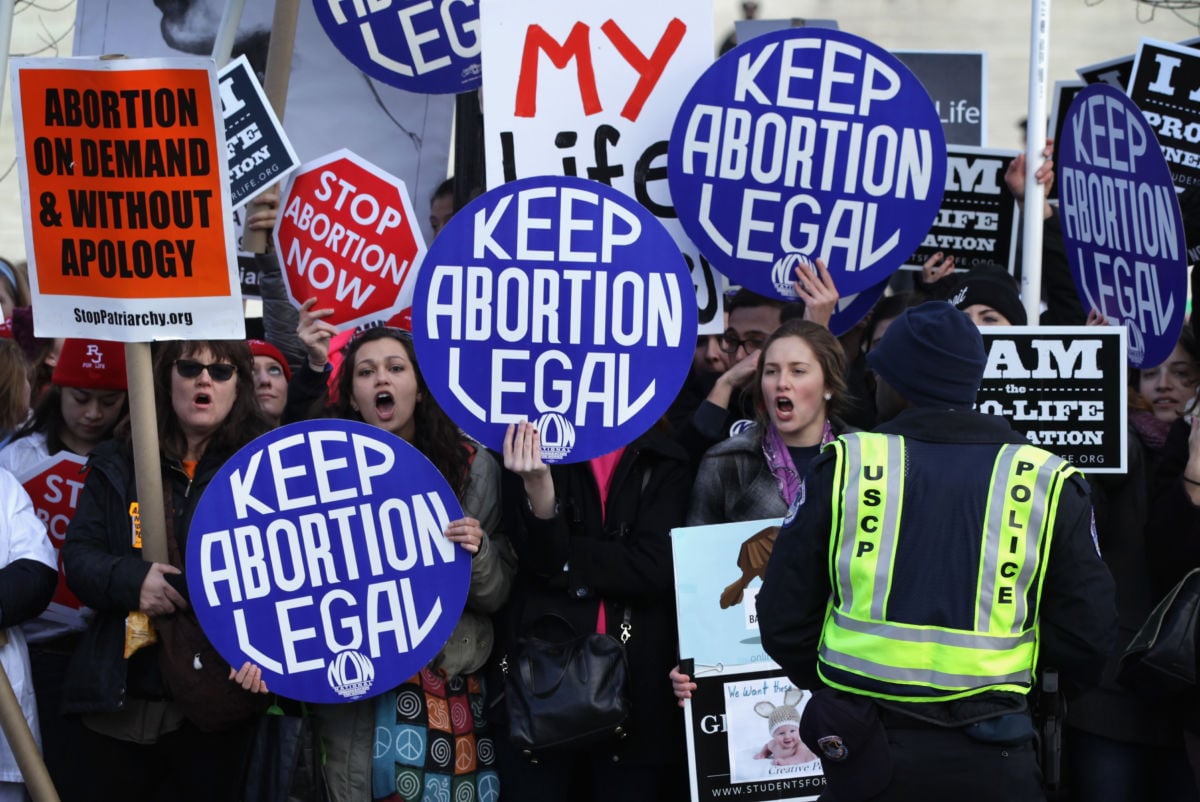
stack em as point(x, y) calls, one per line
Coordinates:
point(432, 742)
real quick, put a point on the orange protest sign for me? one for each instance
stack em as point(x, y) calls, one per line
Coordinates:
point(126, 194)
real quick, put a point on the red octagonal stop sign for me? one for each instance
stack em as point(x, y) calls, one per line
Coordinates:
point(348, 237)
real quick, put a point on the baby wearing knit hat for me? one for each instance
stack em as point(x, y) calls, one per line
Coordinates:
point(783, 722)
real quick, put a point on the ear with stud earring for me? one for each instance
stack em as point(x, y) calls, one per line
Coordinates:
point(828, 396)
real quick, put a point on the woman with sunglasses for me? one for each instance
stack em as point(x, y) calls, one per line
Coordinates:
point(139, 743)
point(380, 383)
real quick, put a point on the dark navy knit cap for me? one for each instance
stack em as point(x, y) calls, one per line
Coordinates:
point(932, 355)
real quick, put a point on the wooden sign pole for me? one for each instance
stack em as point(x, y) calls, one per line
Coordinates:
point(20, 740)
point(146, 462)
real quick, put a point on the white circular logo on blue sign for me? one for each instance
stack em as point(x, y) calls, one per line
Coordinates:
point(560, 301)
point(1121, 222)
point(812, 142)
point(317, 553)
point(430, 47)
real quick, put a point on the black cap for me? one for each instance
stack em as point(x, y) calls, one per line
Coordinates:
point(843, 729)
point(996, 291)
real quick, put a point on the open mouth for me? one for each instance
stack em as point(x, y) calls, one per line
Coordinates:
point(385, 405)
point(202, 399)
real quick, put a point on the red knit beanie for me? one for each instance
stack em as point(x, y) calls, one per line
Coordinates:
point(264, 348)
point(90, 365)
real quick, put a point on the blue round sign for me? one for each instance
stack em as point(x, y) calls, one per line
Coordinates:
point(850, 311)
point(560, 301)
point(426, 46)
point(1121, 222)
point(810, 142)
point(317, 553)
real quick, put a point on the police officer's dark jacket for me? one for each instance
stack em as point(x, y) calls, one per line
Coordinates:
point(948, 478)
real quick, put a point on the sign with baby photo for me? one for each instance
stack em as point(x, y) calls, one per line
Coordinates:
point(742, 721)
point(744, 739)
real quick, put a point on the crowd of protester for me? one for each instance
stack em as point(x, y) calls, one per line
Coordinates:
point(584, 544)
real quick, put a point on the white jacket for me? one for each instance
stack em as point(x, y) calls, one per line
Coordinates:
point(22, 536)
point(21, 457)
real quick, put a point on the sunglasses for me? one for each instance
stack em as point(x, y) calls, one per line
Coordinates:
point(217, 371)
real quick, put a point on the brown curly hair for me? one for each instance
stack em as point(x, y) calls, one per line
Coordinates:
point(435, 435)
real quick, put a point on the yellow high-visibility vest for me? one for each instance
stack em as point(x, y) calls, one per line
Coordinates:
point(863, 651)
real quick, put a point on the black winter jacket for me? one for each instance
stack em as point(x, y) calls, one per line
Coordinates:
point(622, 555)
point(106, 573)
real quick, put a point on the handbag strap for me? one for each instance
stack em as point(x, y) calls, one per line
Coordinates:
point(525, 667)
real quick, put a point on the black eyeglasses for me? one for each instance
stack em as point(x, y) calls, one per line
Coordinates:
point(217, 371)
point(730, 343)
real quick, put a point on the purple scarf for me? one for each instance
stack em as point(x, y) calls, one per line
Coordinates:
point(1152, 430)
point(779, 460)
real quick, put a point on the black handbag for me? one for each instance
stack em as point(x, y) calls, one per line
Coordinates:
point(284, 764)
point(568, 694)
point(1160, 662)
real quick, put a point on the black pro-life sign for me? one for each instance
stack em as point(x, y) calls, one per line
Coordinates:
point(1063, 387)
point(258, 152)
point(1165, 85)
point(977, 223)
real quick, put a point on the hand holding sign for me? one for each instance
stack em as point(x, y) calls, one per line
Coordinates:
point(467, 533)
point(157, 596)
point(523, 456)
point(315, 333)
point(815, 287)
point(249, 676)
point(937, 267)
point(267, 211)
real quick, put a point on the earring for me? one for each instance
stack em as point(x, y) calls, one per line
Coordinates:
point(828, 396)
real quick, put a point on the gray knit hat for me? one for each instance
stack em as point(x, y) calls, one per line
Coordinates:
point(784, 714)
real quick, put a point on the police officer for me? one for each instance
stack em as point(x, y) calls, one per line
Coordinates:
point(935, 565)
